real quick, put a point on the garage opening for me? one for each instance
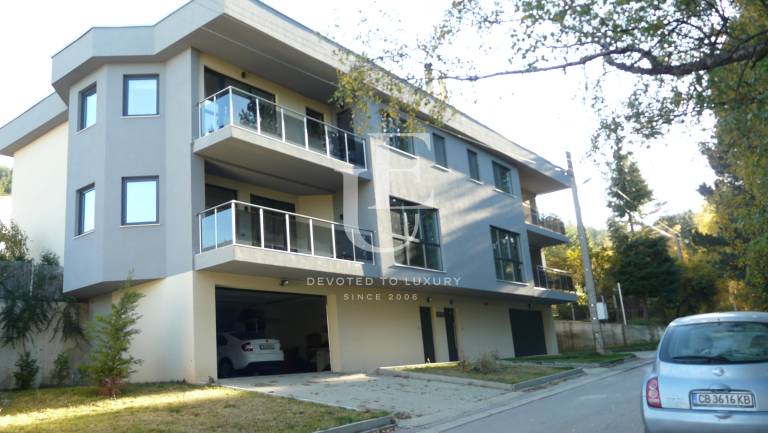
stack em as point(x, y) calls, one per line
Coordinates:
point(260, 332)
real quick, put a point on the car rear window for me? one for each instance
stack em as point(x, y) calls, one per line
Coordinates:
point(716, 343)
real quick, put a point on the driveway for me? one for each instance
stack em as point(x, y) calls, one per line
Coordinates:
point(409, 398)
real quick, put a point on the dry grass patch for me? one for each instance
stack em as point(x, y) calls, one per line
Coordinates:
point(165, 408)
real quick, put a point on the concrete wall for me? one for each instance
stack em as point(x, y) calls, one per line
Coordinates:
point(117, 147)
point(39, 191)
point(383, 328)
point(574, 335)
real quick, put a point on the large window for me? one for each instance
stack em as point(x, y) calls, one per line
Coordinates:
point(86, 209)
point(140, 200)
point(502, 177)
point(415, 234)
point(87, 107)
point(441, 157)
point(397, 127)
point(474, 168)
point(140, 95)
point(506, 255)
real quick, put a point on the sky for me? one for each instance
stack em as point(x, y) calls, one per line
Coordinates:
point(544, 112)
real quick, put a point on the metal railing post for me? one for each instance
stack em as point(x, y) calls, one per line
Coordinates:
point(365, 154)
point(327, 141)
point(306, 134)
point(231, 107)
point(234, 225)
point(311, 237)
point(354, 254)
point(333, 240)
point(261, 226)
point(215, 227)
point(287, 232)
point(346, 147)
point(258, 116)
point(282, 123)
point(200, 231)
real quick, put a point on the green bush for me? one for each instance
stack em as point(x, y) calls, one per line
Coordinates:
point(61, 374)
point(26, 371)
point(487, 363)
point(110, 363)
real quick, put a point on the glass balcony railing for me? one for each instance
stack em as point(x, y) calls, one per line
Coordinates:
point(245, 224)
point(549, 222)
point(555, 279)
point(232, 106)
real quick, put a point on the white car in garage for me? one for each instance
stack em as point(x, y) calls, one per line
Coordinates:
point(247, 351)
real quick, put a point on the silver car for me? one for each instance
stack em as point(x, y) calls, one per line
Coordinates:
point(710, 376)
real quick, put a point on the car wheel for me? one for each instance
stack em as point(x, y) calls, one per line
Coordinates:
point(226, 369)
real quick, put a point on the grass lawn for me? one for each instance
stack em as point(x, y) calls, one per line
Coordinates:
point(507, 373)
point(639, 347)
point(576, 357)
point(165, 408)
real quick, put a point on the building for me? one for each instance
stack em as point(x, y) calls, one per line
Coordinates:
point(200, 156)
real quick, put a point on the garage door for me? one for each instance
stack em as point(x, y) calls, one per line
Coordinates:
point(527, 332)
point(262, 332)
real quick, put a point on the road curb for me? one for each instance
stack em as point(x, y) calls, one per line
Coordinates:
point(604, 364)
point(367, 426)
point(539, 381)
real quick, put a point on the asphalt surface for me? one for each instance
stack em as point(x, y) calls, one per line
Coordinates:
point(609, 405)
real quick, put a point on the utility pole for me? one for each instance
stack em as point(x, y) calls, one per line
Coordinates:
point(586, 263)
point(623, 315)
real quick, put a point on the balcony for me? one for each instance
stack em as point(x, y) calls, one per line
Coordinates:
point(549, 222)
point(544, 230)
point(553, 279)
point(235, 107)
point(244, 238)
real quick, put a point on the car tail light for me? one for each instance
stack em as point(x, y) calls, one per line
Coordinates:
point(247, 347)
point(652, 393)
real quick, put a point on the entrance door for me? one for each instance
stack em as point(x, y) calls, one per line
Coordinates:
point(450, 333)
point(527, 332)
point(426, 334)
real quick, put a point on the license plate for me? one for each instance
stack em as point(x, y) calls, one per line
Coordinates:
point(267, 346)
point(722, 400)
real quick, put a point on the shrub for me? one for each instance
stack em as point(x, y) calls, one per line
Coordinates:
point(49, 258)
point(486, 363)
point(61, 374)
point(110, 363)
point(26, 371)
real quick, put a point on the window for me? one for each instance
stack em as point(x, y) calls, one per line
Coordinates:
point(140, 200)
point(86, 209)
point(474, 168)
point(87, 107)
point(141, 95)
point(415, 234)
point(502, 177)
point(506, 255)
point(441, 158)
point(390, 125)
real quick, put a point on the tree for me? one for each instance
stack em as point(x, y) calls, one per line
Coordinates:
point(645, 269)
point(110, 362)
point(6, 178)
point(13, 243)
point(628, 191)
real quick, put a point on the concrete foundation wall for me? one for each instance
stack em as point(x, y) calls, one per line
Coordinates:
point(573, 336)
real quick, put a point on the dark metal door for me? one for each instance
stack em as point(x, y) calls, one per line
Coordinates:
point(450, 332)
point(527, 332)
point(426, 334)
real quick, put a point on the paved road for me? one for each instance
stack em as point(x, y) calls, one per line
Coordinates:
point(609, 405)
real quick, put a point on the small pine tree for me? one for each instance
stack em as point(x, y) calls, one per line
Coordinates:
point(110, 363)
point(61, 370)
point(26, 371)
